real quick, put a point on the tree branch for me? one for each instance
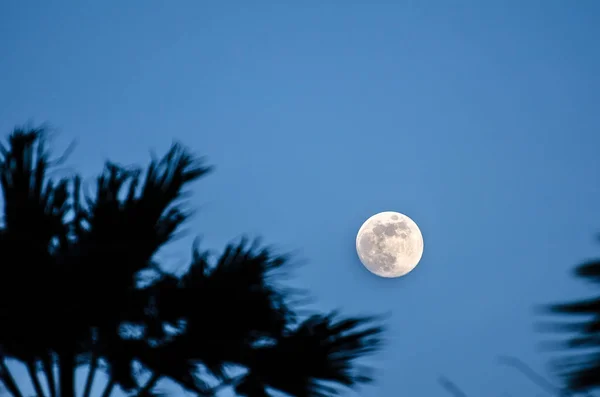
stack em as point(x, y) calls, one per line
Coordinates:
point(91, 374)
point(109, 388)
point(451, 387)
point(8, 379)
point(67, 374)
point(48, 368)
point(144, 391)
point(535, 377)
point(33, 374)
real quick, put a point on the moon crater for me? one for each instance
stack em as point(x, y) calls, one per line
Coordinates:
point(389, 244)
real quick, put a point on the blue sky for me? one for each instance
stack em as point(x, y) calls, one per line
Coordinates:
point(477, 119)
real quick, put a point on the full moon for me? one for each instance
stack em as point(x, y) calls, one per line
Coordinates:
point(389, 244)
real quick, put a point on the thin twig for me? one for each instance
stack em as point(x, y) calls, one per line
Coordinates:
point(536, 377)
point(451, 387)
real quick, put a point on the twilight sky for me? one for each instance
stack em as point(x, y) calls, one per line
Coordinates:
point(477, 119)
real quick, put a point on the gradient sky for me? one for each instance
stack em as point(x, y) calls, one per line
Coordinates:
point(477, 119)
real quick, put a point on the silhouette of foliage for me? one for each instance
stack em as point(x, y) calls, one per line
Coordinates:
point(70, 291)
point(581, 368)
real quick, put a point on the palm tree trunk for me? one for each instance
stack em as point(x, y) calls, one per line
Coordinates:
point(48, 366)
point(109, 388)
point(91, 374)
point(67, 374)
point(149, 385)
point(33, 374)
point(8, 379)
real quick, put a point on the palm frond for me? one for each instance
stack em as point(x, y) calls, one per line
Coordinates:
point(320, 352)
point(590, 271)
point(34, 229)
point(70, 291)
point(245, 306)
point(581, 372)
point(129, 223)
point(582, 335)
point(583, 307)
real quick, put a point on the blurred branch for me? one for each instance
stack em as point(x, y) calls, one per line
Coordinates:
point(8, 380)
point(33, 374)
point(451, 387)
point(93, 367)
point(147, 388)
point(535, 377)
point(531, 374)
point(48, 370)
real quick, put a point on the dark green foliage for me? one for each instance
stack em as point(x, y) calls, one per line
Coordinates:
point(70, 293)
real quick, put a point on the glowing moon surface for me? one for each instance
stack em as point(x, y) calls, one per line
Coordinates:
point(389, 244)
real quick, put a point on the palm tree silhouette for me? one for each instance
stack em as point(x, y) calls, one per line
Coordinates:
point(71, 295)
point(580, 369)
